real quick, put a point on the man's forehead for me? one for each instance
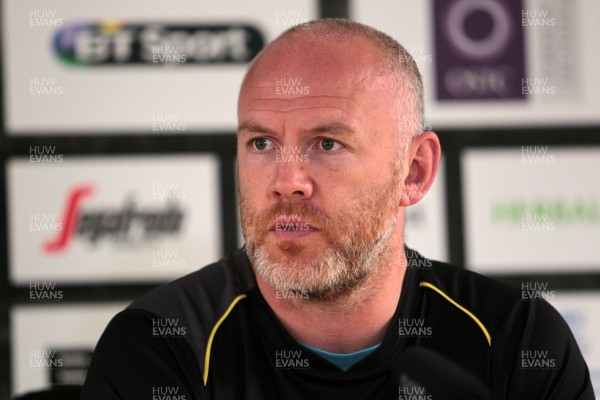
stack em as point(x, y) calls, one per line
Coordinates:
point(306, 91)
point(330, 80)
point(329, 62)
point(297, 88)
point(316, 81)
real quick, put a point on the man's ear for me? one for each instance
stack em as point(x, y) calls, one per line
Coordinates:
point(423, 159)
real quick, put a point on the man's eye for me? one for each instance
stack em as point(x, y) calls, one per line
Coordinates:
point(260, 144)
point(329, 144)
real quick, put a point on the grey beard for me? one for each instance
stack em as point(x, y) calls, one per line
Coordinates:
point(331, 275)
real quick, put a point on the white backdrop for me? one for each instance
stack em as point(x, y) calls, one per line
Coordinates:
point(37, 330)
point(566, 55)
point(82, 99)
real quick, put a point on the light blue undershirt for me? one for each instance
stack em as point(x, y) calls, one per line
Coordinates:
point(343, 361)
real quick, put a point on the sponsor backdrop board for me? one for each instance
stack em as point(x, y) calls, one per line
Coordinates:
point(532, 209)
point(145, 66)
point(425, 223)
point(582, 313)
point(112, 219)
point(53, 343)
point(498, 63)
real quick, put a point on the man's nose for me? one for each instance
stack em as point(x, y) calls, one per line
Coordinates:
point(292, 181)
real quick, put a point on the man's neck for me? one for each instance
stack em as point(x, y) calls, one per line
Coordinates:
point(354, 322)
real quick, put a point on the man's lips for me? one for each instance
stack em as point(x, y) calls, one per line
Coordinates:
point(292, 229)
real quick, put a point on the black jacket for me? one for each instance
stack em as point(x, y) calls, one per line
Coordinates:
point(211, 335)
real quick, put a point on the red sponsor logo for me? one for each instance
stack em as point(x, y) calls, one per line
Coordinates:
point(125, 226)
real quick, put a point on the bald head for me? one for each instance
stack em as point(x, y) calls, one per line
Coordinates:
point(323, 44)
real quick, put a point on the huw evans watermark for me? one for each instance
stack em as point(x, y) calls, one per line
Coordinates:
point(44, 18)
point(416, 54)
point(290, 154)
point(286, 18)
point(45, 359)
point(287, 222)
point(44, 155)
point(536, 291)
point(42, 292)
point(282, 294)
point(167, 393)
point(166, 190)
point(535, 18)
point(410, 389)
point(414, 260)
point(537, 359)
point(290, 359)
point(168, 327)
point(287, 86)
point(167, 123)
point(537, 87)
point(535, 222)
point(413, 327)
point(44, 86)
point(168, 259)
point(44, 222)
point(536, 154)
point(168, 54)
point(413, 393)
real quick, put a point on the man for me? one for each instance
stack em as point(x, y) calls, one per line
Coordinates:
point(324, 300)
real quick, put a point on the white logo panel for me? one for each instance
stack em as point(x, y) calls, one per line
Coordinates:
point(111, 219)
point(536, 207)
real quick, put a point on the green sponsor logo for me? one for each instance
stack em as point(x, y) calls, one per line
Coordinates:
point(554, 211)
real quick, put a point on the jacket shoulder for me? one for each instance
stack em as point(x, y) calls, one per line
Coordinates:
point(197, 301)
point(487, 300)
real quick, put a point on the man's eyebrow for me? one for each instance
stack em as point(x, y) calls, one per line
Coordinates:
point(333, 128)
point(252, 127)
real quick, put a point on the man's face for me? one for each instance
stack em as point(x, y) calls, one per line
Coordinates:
point(319, 175)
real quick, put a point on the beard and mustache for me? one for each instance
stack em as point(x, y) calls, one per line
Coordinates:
point(355, 240)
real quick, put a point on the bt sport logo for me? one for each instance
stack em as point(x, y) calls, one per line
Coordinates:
point(116, 43)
